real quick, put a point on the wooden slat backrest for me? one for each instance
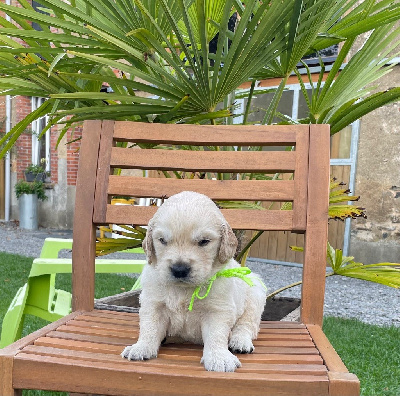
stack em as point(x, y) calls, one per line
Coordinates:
point(206, 161)
point(307, 190)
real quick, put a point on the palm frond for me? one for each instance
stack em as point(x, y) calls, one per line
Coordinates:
point(161, 48)
point(387, 274)
point(239, 205)
point(129, 238)
point(338, 195)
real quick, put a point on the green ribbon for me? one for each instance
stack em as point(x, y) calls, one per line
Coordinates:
point(240, 272)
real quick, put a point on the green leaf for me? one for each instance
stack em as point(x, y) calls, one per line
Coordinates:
point(297, 248)
point(239, 205)
point(8, 140)
point(337, 194)
point(111, 97)
point(109, 245)
point(341, 119)
point(342, 212)
point(387, 274)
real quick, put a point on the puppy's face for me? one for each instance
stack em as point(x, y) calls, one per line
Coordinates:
point(188, 239)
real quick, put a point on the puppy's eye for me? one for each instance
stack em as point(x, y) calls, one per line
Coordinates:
point(204, 242)
point(162, 241)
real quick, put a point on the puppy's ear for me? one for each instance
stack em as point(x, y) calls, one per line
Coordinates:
point(148, 245)
point(228, 245)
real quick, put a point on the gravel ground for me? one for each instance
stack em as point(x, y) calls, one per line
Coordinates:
point(345, 297)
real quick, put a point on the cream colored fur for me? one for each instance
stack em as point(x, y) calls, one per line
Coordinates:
point(228, 319)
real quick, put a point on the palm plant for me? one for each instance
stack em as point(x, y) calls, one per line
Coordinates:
point(161, 48)
point(155, 57)
point(387, 274)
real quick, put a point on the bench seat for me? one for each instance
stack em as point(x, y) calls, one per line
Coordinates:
point(87, 345)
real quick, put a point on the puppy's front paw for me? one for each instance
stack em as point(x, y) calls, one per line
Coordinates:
point(220, 360)
point(240, 344)
point(139, 351)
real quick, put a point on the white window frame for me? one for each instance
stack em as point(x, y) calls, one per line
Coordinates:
point(36, 102)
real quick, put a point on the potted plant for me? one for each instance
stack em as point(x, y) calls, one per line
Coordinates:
point(28, 194)
point(35, 173)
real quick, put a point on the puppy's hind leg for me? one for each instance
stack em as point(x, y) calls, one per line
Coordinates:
point(247, 326)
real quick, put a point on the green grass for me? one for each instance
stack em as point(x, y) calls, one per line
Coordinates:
point(14, 271)
point(370, 352)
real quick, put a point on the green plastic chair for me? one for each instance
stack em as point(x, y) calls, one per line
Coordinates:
point(39, 297)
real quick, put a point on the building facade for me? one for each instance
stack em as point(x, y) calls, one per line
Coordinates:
point(366, 156)
point(61, 162)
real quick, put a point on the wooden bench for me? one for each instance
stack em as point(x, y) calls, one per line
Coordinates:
point(80, 352)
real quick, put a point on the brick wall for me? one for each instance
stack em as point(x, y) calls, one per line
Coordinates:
point(53, 156)
point(21, 107)
point(73, 155)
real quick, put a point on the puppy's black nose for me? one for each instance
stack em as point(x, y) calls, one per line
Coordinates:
point(180, 270)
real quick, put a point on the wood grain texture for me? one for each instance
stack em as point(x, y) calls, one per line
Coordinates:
point(313, 288)
point(278, 366)
point(15, 347)
point(343, 384)
point(103, 170)
point(84, 233)
point(8, 353)
point(300, 181)
point(204, 161)
point(180, 357)
point(6, 377)
point(219, 135)
point(90, 377)
point(244, 190)
point(184, 352)
point(328, 353)
point(240, 219)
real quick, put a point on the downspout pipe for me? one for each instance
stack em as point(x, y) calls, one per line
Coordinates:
point(7, 178)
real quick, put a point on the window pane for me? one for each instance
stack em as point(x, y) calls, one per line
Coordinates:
point(260, 103)
point(42, 142)
point(302, 111)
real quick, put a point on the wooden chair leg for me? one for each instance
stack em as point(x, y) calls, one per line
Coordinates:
point(6, 387)
point(343, 384)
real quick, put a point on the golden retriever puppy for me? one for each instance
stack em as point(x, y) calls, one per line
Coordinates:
point(188, 241)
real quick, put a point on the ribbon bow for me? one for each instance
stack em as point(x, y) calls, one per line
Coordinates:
point(240, 272)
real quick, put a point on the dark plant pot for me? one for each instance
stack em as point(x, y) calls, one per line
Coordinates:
point(275, 309)
point(31, 177)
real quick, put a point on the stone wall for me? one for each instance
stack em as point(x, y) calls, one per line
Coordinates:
point(377, 238)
